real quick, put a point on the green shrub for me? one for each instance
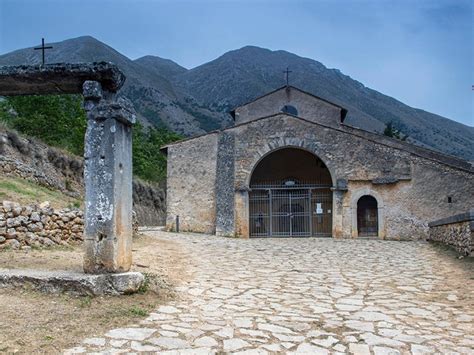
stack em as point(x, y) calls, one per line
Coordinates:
point(60, 121)
point(148, 163)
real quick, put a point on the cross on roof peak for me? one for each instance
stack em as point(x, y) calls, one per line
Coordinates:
point(43, 47)
point(287, 75)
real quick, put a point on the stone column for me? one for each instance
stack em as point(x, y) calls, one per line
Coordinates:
point(225, 185)
point(338, 194)
point(108, 181)
point(242, 213)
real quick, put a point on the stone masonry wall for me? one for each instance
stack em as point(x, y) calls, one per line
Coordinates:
point(38, 226)
point(191, 184)
point(414, 190)
point(412, 186)
point(308, 107)
point(456, 231)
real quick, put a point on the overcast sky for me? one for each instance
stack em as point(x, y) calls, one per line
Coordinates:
point(420, 52)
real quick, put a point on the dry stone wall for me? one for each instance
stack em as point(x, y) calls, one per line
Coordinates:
point(30, 159)
point(38, 226)
point(23, 227)
point(456, 231)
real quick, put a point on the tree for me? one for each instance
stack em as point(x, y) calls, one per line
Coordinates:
point(148, 163)
point(391, 131)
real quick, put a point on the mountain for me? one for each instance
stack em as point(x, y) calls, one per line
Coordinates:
point(152, 94)
point(197, 100)
point(164, 67)
point(241, 75)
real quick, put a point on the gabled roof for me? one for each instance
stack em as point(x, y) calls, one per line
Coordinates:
point(377, 138)
point(343, 110)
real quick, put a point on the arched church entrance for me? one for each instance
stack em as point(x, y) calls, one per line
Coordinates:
point(367, 217)
point(290, 196)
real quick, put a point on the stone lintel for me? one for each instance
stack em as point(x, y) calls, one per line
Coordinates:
point(72, 282)
point(385, 180)
point(59, 78)
point(459, 218)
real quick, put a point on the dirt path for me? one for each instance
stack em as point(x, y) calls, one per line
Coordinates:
point(34, 322)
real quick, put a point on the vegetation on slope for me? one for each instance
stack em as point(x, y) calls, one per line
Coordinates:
point(148, 163)
point(56, 120)
point(60, 121)
point(391, 131)
point(27, 192)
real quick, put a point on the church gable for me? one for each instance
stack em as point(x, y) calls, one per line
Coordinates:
point(292, 101)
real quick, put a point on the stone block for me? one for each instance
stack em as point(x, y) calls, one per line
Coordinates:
point(26, 211)
point(72, 282)
point(11, 233)
point(35, 227)
point(16, 211)
point(341, 184)
point(386, 180)
point(92, 90)
point(35, 217)
point(11, 244)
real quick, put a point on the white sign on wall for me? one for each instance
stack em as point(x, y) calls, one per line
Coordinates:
point(319, 208)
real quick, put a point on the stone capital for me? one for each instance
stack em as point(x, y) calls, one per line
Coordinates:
point(116, 110)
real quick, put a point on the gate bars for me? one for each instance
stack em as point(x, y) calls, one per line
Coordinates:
point(290, 212)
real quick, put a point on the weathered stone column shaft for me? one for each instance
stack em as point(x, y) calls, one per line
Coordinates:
point(108, 182)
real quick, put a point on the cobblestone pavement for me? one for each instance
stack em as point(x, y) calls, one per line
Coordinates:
point(313, 296)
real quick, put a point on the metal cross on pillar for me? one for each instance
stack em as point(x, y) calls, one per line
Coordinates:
point(43, 47)
point(287, 75)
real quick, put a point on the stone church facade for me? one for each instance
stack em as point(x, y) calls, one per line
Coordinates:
point(290, 167)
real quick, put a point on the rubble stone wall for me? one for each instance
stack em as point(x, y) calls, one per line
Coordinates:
point(191, 185)
point(456, 231)
point(23, 227)
point(38, 226)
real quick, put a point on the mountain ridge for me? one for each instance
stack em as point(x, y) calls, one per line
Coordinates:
point(193, 101)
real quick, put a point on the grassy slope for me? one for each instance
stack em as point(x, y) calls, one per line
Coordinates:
point(27, 192)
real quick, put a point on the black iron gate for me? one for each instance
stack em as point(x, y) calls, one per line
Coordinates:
point(292, 212)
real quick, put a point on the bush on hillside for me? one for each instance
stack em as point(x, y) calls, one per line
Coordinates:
point(60, 121)
point(148, 163)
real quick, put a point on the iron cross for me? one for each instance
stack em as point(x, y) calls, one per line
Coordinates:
point(287, 73)
point(42, 48)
